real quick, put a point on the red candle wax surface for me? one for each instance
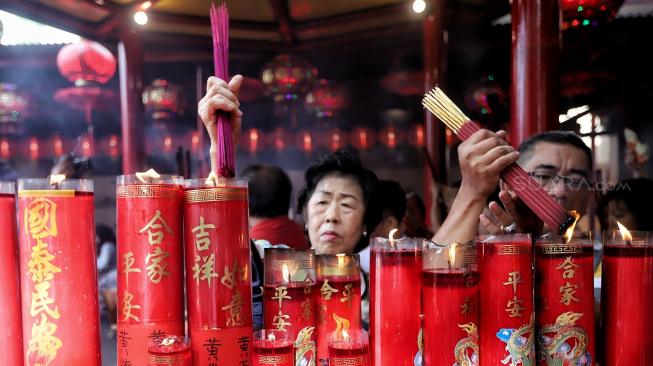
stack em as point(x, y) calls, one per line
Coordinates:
point(450, 303)
point(506, 327)
point(627, 300)
point(565, 303)
point(289, 307)
point(349, 354)
point(218, 273)
point(59, 277)
point(395, 305)
point(150, 267)
point(11, 347)
point(173, 354)
point(339, 307)
point(272, 352)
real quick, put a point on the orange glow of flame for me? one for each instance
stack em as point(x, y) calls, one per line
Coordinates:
point(285, 272)
point(341, 260)
point(570, 231)
point(391, 236)
point(452, 253)
point(625, 233)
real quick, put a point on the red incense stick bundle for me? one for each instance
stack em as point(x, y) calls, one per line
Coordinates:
point(526, 188)
point(222, 158)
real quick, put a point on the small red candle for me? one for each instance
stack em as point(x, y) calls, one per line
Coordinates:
point(218, 272)
point(150, 263)
point(395, 297)
point(450, 303)
point(349, 348)
point(507, 326)
point(564, 295)
point(289, 297)
point(272, 347)
point(627, 298)
point(58, 272)
point(170, 350)
point(11, 348)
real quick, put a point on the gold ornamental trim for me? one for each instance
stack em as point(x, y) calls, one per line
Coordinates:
point(147, 191)
point(42, 193)
point(217, 194)
point(511, 249)
point(560, 249)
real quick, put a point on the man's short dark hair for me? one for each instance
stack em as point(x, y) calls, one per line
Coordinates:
point(269, 190)
point(391, 198)
point(555, 137)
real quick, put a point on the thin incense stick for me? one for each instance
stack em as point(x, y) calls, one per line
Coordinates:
point(526, 188)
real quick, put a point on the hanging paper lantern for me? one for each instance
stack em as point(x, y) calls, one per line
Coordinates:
point(362, 138)
point(327, 98)
point(305, 140)
point(252, 140)
point(195, 141)
point(113, 146)
point(416, 136)
point(162, 99)
point(585, 13)
point(333, 140)
point(14, 108)
point(280, 138)
point(86, 61)
point(404, 82)
point(287, 77)
point(33, 148)
point(390, 137)
point(5, 148)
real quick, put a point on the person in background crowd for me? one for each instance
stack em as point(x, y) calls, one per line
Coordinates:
point(105, 245)
point(413, 223)
point(630, 203)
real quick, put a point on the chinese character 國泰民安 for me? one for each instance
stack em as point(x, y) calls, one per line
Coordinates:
point(154, 233)
point(40, 265)
point(568, 292)
point(326, 290)
point(515, 307)
point(568, 267)
point(41, 301)
point(514, 278)
point(156, 265)
point(205, 271)
point(202, 241)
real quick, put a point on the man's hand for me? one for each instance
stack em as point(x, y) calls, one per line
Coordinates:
point(513, 216)
point(221, 96)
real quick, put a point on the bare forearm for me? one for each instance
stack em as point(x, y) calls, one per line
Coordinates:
point(462, 222)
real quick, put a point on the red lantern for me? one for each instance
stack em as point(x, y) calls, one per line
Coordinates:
point(404, 82)
point(33, 148)
point(5, 149)
point(305, 141)
point(163, 99)
point(586, 13)
point(113, 145)
point(195, 141)
point(167, 143)
point(416, 136)
point(86, 61)
point(362, 138)
point(390, 137)
point(327, 98)
point(87, 147)
point(280, 138)
point(252, 140)
point(14, 107)
point(57, 145)
point(288, 77)
point(334, 140)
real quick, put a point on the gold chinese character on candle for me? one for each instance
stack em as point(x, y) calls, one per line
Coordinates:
point(568, 267)
point(568, 292)
point(154, 233)
point(326, 290)
point(204, 269)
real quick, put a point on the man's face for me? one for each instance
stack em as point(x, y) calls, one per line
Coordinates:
point(548, 161)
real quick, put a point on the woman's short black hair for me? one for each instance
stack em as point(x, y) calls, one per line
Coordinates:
point(347, 164)
point(269, 190)
point(105, 234)
point(636, 195)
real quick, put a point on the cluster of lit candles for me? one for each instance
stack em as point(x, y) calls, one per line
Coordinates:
point(497, 300)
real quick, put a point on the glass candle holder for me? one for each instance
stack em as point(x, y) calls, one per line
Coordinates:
point(58, 272)
point(395, 300)
point(564, 294)
point(349, 348)
point(450, 304)
point(272, 347)
point(170, 351)
point(507, 321)
point(627, 298)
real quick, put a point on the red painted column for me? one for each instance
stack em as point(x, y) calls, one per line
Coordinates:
point(130, 65)
point(535, 90)
point(434, 129)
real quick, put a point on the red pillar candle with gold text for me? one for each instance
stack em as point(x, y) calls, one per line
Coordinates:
point(395, 303)
point(218, 272)
point(627, 299)
point(58, 273)
point(11, 346)
point(507, 324)
point(564, 294)
point(289, 298)
point(150, 263)
point(272, 347)
point(339, 300)
point(450, 303)
point(169, 351)
point(348, 348)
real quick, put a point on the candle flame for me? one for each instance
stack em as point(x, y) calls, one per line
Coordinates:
point(168, 341)
point(341, 260)
point(345, 335)
point(625, 233)
point(56, 179)
point(452, 253)
point(391, 236)
point(570, 231)
point(271, 337)
point(212, 179)
point(285, 272)
point(147, 176)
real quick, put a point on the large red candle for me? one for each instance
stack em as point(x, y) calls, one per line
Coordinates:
point(564, 295)
point(627, 299)
point(218, 272)
point(272, 347)
point(11, 347)
point(289, 298)
point(58, 273)
point(150, 264)
point(507, 323)
point(339, 299)
point(450, 303)
point(395, 309)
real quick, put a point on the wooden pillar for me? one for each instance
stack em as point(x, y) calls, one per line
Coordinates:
point(435, 134)
point(535, 88)
point(130, 64)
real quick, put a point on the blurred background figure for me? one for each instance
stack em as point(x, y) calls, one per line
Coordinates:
point(414, 221)
point(72, 167)
point(105, 241)
point(629, 203)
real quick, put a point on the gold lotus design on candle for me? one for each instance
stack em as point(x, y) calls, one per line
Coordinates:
point(569, 233)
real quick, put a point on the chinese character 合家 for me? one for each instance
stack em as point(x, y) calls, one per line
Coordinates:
point(154, 233)
point(202, 241)
point(156, 270)
point(568, 292)
point(205, 271)
point(515, 307)
point(569, 268)
point(326, 290)
point(514, 278)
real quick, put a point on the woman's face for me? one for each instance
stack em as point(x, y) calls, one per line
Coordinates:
point(335, 214)
point(618, 211)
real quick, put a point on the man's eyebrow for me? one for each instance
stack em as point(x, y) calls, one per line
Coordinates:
point(579, 172)
point(546, 166)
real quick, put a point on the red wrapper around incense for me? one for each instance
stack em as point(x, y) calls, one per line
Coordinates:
point(11, 331)
point(150, 264)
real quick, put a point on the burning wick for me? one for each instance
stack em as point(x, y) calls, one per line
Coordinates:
point(56, 179)
point(148, 176)
point(625, 234)
point(345, 336)
point(452, 254)
point(569, 233)
point(391, 236)
point(271, 337)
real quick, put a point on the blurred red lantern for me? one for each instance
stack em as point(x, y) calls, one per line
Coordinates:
point(416, 136)
point(288, 77)
point(57, 145)
point(586, 13)
point(327, 98)
point(167, 143)
point(14, 107)
point(252, 140)
point(33, 148)
point(390, 137)
point(163, 99)
point(305, 141)
point(485, 95)
point(334, 140)
point(280, 138)
point(5, 149)
point(404, 82)
point(86, 61)
point(362, 138)
point(113, 145)
point(87, 146)
point(194, 141)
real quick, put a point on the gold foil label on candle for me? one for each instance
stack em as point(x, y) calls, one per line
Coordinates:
point(147, 191)
point(560, 248)
point(511, 249)
point(564, 331)
point(466, 349)
point(44, 193)
point(217, 194)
